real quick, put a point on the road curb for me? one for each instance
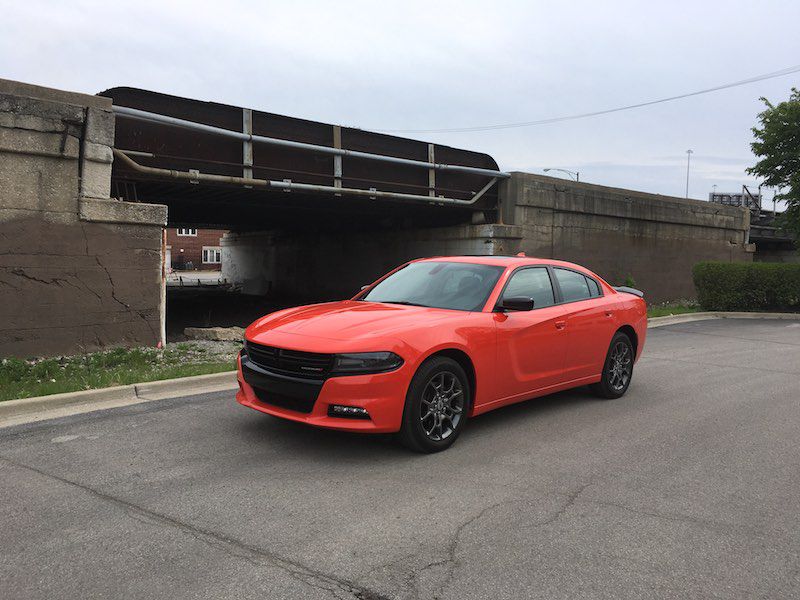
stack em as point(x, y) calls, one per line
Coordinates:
point(39, 408)
point(704, 316)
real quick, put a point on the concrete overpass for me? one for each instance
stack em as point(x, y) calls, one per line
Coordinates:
point(89, 182)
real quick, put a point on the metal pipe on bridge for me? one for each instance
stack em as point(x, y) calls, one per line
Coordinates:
point(142, 115)
point(288, 185)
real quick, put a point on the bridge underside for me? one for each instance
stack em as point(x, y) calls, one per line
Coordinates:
point(234, 207)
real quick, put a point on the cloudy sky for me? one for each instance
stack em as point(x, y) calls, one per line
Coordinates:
point(433, 65)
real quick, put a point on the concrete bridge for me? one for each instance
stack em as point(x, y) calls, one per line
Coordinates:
point(316, 210)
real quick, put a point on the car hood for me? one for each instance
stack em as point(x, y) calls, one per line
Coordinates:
point(348, 320)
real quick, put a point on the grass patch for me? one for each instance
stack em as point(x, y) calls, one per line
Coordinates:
point(39, 377)
point(665, 310)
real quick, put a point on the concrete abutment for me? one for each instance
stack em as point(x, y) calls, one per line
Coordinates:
point(78, 271)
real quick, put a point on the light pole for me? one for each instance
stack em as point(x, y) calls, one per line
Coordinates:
point(575, 174)
point(688, 162)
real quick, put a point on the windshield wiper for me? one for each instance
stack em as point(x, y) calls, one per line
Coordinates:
point(404, 303)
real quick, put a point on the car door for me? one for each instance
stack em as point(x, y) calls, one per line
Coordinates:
point(531, 345)
point(590, 323)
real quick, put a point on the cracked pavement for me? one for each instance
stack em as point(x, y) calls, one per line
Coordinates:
point(689, 486)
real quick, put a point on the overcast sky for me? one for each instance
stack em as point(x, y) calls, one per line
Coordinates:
point(425, 65)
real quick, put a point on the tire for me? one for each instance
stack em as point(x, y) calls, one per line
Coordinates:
point(617, 369)
point(436, 407)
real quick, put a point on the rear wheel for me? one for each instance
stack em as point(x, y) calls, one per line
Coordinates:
point(617, 370)
point(436, 406)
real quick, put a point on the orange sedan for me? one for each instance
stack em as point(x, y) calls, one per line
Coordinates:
point(441, 340)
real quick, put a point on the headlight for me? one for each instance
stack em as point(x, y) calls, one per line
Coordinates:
point(366, 362)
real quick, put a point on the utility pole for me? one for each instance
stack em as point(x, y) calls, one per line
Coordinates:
point(688, 162)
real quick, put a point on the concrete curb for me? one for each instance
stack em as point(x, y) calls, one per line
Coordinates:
point(27, 410)
point(703, 316)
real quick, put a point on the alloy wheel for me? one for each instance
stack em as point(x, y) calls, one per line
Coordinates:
point(442, 405)
point(620, 367)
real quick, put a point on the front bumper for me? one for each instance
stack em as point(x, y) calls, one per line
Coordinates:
point(307, 401)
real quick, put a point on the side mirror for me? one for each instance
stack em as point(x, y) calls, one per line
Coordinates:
point(517, 303)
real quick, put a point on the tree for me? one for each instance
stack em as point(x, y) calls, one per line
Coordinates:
point(778, 145)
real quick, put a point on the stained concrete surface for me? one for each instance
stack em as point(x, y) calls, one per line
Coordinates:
point(687, 487)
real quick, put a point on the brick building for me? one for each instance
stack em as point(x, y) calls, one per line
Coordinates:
point(194, 249)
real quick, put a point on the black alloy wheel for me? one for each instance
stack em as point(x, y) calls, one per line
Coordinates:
point(618, 368)
point(436, 406)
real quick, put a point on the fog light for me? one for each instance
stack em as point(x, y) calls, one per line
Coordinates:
point(347, 412)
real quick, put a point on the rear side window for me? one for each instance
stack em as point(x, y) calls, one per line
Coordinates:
point(531, 283)
point(574, 286)
point(594, 288)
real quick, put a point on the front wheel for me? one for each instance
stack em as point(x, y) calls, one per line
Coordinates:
point(436, 406)
point(617, 370)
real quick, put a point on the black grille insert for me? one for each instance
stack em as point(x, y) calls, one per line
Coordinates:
point(291, 362)
point(301, 405)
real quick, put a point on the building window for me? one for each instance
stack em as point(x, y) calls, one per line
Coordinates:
point(187, 231)
point(212, 255)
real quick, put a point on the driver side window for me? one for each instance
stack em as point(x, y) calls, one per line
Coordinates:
point(532, 282)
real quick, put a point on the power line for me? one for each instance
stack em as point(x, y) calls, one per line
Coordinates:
point(774, 74)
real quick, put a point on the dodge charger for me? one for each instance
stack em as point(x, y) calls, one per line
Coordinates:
point(441, 340)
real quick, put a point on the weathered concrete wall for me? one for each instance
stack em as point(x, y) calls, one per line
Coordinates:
point(78, 271)
point(619, 233)
point(324, 267)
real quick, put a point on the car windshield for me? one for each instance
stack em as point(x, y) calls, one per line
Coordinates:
point(453, 285)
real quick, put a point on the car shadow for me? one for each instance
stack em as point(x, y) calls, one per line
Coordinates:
point(531, 409)
point(327, 444)
point(333, 446)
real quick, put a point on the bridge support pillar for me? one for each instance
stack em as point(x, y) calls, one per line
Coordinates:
point(78, 270)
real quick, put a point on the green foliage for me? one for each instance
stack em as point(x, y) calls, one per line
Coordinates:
point(668, 309)
point(629, 281)
point(748, 286)
point(778, 145)
point(26, 378)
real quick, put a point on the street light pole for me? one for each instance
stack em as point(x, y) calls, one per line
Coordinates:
point(688, 162)
point(575, 174)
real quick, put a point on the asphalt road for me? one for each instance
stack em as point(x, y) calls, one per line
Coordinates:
point(688, 487)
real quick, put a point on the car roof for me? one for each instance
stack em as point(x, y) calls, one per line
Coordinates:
point(506, 261)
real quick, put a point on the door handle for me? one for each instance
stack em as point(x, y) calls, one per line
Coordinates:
point(561, 324)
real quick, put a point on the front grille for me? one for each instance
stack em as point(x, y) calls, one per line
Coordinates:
point(301, 405)
point(290, 362)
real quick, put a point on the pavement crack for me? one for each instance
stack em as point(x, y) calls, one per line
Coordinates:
point(450, 560)
point(338, 587)
point(570, 501)
point(712, 525)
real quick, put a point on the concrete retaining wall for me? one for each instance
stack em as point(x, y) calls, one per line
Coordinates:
point(78, 271)
point(619, 233)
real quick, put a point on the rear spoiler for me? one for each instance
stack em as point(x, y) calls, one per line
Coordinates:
point(628, 290)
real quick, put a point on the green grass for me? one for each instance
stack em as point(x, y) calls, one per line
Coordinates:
point(27, 378)
point(665, 310)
